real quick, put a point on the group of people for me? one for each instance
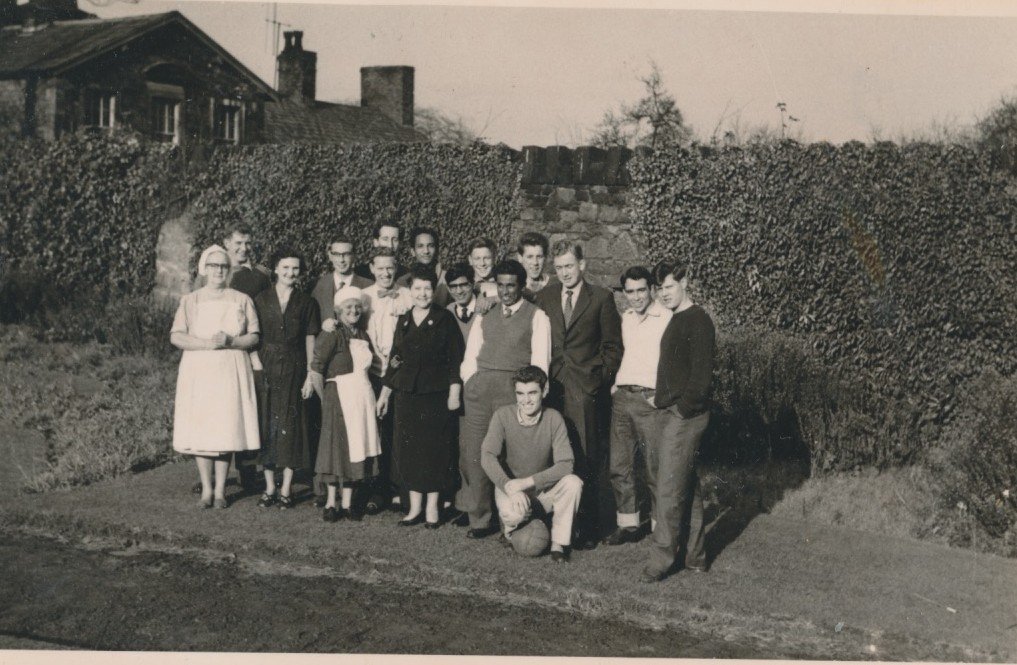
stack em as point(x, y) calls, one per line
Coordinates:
point(451, 394)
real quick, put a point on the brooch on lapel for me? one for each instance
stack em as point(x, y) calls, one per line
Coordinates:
point(430, 322)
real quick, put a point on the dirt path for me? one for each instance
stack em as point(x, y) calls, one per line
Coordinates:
point(103, 597)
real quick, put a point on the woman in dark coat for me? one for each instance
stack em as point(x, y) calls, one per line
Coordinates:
point(290, 320)
point(423, 373)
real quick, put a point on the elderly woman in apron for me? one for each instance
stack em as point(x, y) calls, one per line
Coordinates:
point(215, 410)
point(349, 445)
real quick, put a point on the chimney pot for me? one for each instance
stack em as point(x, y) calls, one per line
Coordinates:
point(297, 68)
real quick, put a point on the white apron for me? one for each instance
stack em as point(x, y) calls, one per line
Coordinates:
point(356, 397)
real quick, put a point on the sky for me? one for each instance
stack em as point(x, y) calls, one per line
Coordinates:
point(545, 76)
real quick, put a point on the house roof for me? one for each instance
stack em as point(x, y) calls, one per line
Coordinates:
point(288, 121)
point(54, 48)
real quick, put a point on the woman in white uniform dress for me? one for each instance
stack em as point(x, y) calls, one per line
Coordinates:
point(215, 412)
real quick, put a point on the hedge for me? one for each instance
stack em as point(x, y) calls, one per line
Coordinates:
point(892, 265)
point(299, 195)
point(83, 213)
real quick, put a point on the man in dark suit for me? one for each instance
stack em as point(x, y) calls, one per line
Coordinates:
point(340, 254)
point(586, 350)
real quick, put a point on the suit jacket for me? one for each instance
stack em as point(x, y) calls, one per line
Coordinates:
point(324, 292)
point(425, 358)
point(589, 350)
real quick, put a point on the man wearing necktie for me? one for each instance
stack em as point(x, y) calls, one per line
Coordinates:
point(340, 255)
point(586, 350)
point(513, 334)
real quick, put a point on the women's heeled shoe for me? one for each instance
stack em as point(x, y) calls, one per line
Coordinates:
point(432, 525)
point(419, 519)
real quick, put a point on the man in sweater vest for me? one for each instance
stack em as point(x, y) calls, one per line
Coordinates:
point(513, 334)
point(634, 419)
point(528, 457)
point(586, 349)
point(683, 385)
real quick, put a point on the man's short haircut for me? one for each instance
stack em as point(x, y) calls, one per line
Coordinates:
point(482, 243)
point(380, 225)
point(240, 228)
point(460, 270)
point(530, 374)
point(636, 273)
point(665, 268)
point(511, 267)
point(424, 273)
point(285, 253)
point(533, 239)
point(421, 230)
point(383, 251)
point(563, 247)
point(338, 238)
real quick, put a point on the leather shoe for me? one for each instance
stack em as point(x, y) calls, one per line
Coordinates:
point(320, 501)
point(559, 557)
point(584, 542)
point(432, 525)
point(419, 519)
point(622, 535)
point(462, 519)
point(477, 534)
point(700, 568)
point(333, 514)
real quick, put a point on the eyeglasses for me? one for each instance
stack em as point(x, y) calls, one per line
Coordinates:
point(217, 266)
point(459, 285)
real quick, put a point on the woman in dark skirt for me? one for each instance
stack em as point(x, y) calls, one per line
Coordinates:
point(349, 445)
point(290, 321)
point(423, 374)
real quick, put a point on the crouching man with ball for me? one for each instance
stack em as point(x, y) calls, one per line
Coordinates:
point(527, 456)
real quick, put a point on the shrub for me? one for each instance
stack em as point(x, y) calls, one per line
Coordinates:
point(894, 263)
point(976, 459)
point(83, 213)
point(298, 195)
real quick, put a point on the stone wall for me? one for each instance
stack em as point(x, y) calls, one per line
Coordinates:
point(580, 195)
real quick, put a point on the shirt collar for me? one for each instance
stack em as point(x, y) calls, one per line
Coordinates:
point(528, 423)
point(513, 308)
point(345, 279)
point(575, 291)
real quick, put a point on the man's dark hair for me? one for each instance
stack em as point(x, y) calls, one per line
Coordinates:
point(563, 247)
point(460, 270)
point(240, 228)
point(383, 251)
point(636, 273)
point(530, 374)
point(423, 272)
point(665, 268)
point(533, 239)
point(482, 243)
point(511, 267)
point(421, 230)
point(338, 238)
point(380, 225)
point(285, 253)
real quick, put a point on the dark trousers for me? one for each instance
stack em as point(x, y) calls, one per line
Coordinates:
point(579, 409)
point(383, 486)
point(671, 461)
point(634, 421)
point(485, 392)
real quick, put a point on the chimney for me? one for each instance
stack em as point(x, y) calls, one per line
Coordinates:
point(388, 90)
point(297, 68)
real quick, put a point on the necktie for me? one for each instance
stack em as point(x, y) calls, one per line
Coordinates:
point(464, 314)
point(387, 293)
point(567, 309)
point(506, 312)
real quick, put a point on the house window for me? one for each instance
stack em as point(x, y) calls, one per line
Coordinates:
point(166, 120)
point(229, 120)
point(101, 110)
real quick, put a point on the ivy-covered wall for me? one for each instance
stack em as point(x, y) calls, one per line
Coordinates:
point(300, 195)
point(893, 265)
